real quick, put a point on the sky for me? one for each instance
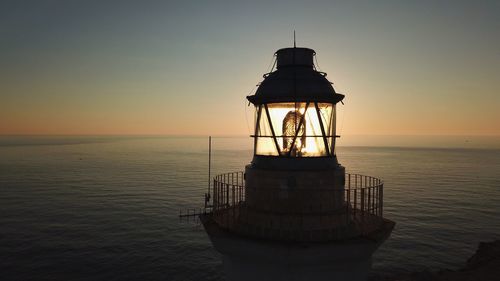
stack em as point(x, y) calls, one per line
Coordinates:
point(185, 67)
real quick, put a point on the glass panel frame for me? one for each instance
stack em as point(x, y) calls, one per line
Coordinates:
point(295, 129)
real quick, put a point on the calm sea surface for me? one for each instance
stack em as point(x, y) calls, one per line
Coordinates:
point(106, 208)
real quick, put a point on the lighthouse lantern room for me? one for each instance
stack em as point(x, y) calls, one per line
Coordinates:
point(295, 118)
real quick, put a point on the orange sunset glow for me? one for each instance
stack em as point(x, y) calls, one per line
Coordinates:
point(181, 70)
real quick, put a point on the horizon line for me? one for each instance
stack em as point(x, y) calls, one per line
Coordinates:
point(237, 135)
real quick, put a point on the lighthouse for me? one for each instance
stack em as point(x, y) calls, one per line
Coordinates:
point(294, 213)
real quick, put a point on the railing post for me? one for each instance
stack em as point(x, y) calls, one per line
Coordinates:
point(381, 200)
point(233, 199)
point(237, 185)
point(362, 202)
point(375, 197)
point(227, 203)
point(355, 200)
point(227, 195)
point(348, 212)
point(214, 200)
point(378, 200)
point(369, 199)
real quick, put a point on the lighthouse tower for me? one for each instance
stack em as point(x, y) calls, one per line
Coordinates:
point(294, 213)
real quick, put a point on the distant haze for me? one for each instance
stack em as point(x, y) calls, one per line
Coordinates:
point(185, 68)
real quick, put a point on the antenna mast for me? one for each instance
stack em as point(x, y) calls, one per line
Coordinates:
point(207, 195)
point(294, 44)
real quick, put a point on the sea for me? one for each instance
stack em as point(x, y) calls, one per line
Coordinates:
point(107, 207)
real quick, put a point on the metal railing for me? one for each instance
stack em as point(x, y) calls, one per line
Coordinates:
point(228, 190)
point(364, 194)
point(336, 214)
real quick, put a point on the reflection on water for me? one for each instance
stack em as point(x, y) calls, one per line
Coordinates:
point(106, 208)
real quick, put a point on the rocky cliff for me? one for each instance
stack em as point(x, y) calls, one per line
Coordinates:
point(484, 265)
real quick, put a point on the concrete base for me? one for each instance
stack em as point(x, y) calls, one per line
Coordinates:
point(252, 259)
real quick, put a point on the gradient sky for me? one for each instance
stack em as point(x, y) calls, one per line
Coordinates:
point(185, 67)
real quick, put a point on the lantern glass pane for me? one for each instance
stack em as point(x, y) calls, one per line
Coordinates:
point(332, 130)
point(325, 112)
point(264, 141)
point(315, 141)
point(264, 125)
point(266, 146)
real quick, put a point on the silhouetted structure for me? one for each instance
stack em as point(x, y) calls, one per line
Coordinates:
point(294, 214)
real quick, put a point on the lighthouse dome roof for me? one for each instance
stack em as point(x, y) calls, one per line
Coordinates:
point(295, 80)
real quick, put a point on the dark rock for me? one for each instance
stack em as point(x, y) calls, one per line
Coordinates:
point(484, 265)
point(486, 253)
